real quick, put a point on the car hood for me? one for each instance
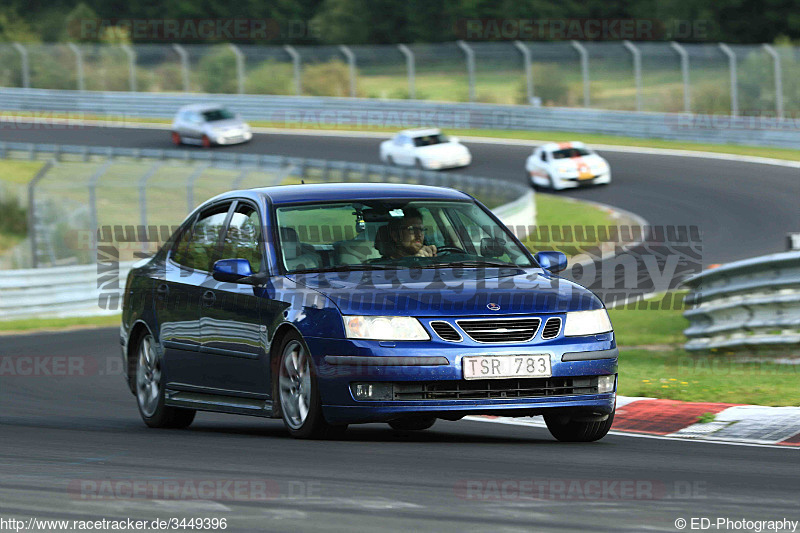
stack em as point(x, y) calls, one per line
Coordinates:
point(449, 292)
point(592, 161)
point(233, 123)
point(442, 150)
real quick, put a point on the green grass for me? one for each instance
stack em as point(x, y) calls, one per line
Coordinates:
point(636, 327)
point(57, 324)
point(552, 210)
point(676, 375)
point(18, 173)
point(653, 363)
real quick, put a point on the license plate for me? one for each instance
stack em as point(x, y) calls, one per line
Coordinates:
point(506, 366)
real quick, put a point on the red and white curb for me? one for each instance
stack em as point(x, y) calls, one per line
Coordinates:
point(744, 424)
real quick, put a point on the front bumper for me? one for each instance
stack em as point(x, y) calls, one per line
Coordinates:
point(340, 406)
point(438, 164)
point(234, 137)
point(565, 182)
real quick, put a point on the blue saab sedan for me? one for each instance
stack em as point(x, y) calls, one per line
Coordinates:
point(328, 305)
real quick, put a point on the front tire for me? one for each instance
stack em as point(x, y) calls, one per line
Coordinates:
point(206, 141)
point(150, 389)
point(570, 430)
point(300, 401)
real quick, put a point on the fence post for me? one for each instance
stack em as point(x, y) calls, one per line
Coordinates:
point(776, 62)
point(681, 51)
point(143, 198)
point(184, 56)
point(131, 66)
point(637, 71)
point(78, 65)
point(32, 208)
point(237, 182)
point(526, 60)
point(584, 55)
point(470, 57)
point(292, 51)
point(734, 88)
point(93, 222)
point(26, 67)
point(239, 67)
point(190, 186)
point(412, 84)
point(351, 63)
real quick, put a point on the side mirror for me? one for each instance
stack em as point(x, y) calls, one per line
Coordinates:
point(493, 247)
point(453, 139)
point(232, 270)
point(551, 261)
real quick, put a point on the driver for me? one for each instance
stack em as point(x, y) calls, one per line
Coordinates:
point(405, 237)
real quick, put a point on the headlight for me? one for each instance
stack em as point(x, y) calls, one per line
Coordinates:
point(587, 323)
point(385, 328)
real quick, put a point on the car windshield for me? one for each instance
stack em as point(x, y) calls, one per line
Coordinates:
point(429, 140)
point(393, 234)
point(567, 153)
point(214, 115)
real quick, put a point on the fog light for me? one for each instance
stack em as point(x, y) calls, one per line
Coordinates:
point(372, 391)
point(605, 383)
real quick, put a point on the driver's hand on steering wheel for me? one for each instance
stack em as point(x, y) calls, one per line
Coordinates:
point(426, 251)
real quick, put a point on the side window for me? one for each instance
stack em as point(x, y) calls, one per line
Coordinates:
point(544, 156)
point(199, 249)
point(243, 240)
point(400, 140)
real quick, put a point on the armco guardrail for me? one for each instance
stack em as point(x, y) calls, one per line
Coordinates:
point(316, 112)
point(269, 169)
point(57, 292)
point(748, 303)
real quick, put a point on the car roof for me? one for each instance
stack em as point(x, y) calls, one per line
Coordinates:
point(553, 147)
point(421, 132)
point(200, 107)
point(320, 192)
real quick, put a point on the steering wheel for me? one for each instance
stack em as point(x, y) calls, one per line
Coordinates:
point(449, 249)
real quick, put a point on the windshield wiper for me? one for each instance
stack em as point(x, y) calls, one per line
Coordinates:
point(474, 263)
point(343, 268)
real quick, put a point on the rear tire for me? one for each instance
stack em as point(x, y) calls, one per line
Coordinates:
point(150, 389)
point(176, 138)
point(298, 390)
point(413, 424)
point(578, 431)
point(389, 160)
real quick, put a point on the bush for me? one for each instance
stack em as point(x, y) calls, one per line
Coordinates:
point(548, 84)
point(711, 98)
point(216, 71)
point(326, 79)
point(270, 77)
point(15, 217)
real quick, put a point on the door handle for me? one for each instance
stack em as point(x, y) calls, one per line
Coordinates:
point(209, 297)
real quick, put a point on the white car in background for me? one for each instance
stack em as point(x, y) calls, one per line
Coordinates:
point(207, 125)
point(564, 165)
point(425, 148)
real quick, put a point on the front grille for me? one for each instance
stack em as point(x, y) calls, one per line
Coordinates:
point(551, 328)
point(446, 331)
point(498, 330)
point(494, 388)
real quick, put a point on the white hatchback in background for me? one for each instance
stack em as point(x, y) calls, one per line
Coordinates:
point(425, 148)
point(565, 165)
point(206, 124)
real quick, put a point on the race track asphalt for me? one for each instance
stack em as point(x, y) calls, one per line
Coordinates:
point(60, 435)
